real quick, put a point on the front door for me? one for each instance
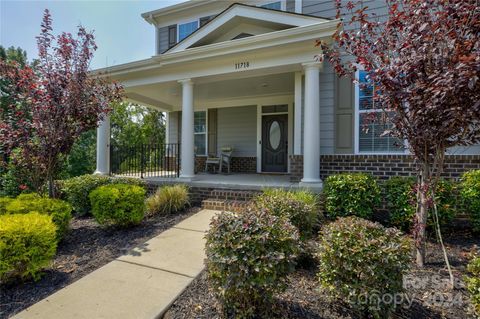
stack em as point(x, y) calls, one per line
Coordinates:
point(274, 143)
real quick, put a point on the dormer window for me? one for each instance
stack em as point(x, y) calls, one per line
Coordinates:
point(185, 29)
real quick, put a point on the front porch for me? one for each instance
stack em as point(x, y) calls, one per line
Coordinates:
point(259, 95)
point(271, 120)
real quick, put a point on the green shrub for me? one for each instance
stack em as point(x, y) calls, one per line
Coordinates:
point(118, 204)
point(470, 195)
point(76, 190)
point(168, 199)
point(445, 195)
point(359, 260)
point(300, 207)
point(401, 202)
point(27, 244)
point(249, 255)
point(58, 210)
point(473, 283)
point(351, 194)
point(4, 201)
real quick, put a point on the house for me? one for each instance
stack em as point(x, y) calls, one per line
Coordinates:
point(247, 75)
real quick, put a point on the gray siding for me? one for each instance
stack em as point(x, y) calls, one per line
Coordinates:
point(327, 118)
point(162, 39)
point(326, 8)
point(291, 5)
point(237, 127)
point(336, 121)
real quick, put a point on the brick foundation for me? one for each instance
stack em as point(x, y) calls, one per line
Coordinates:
point(381, 166)
point(238, 165)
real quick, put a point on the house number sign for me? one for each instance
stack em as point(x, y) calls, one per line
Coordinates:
point(242, 65)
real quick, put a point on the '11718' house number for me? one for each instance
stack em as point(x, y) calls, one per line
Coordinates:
point(242, 65)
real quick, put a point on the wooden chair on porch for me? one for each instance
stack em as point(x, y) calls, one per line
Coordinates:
point(212, 159)
point(226, 158)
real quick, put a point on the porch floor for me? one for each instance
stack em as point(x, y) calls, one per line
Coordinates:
point(235, 181)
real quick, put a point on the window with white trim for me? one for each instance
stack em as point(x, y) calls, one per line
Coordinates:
point(372, 122)
point(185, 29)
point(273, 5)
point(200, 132)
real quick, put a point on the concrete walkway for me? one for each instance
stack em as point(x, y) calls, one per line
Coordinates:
point(141, 284)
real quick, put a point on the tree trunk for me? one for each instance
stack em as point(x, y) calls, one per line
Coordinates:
point(421, 217)
point(51, 186)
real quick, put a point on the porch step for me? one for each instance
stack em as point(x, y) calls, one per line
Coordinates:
point(235, 195)
point(224, 204)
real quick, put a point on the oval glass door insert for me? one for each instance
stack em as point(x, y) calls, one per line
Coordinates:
point(274, 135)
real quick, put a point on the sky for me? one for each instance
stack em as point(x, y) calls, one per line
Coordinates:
point(121, 34)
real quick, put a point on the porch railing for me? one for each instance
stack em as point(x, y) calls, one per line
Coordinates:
point(146, 160)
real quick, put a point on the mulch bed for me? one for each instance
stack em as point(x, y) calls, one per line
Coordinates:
point(302, 299)
point(85, 248)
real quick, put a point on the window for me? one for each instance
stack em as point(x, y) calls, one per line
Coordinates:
point(185, 29)
point(274, 5)
point(275, 108)
point(200, 131)
point(372, 122)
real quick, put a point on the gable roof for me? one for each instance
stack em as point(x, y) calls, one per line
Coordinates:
point(239, 11)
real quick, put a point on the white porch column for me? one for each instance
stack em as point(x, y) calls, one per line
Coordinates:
point(103, 147)
point(187, 148)
point(297, 134)
point(311, 137)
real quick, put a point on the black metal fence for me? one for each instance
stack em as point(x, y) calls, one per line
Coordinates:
point(146, 160)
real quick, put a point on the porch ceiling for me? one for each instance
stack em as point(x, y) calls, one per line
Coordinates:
point(167, 96)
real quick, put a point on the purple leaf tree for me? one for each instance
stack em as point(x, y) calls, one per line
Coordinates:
point(50, 106)
point(424, 60)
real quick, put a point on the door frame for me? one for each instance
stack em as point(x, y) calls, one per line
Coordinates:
point(289, 103)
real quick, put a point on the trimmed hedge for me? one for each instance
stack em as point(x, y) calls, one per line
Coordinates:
point(27, 244)
point(401, 202)
point(361, 261)
point(470, 195)
point(300, 207)
point(473, 283)
point(167, 200)
point(58, 210)
point(249, 256)
point(351, 195)
point(77, 189)
point(120, 205)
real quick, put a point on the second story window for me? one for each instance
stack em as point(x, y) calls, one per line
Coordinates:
point(273, 5)
point(185, 29)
